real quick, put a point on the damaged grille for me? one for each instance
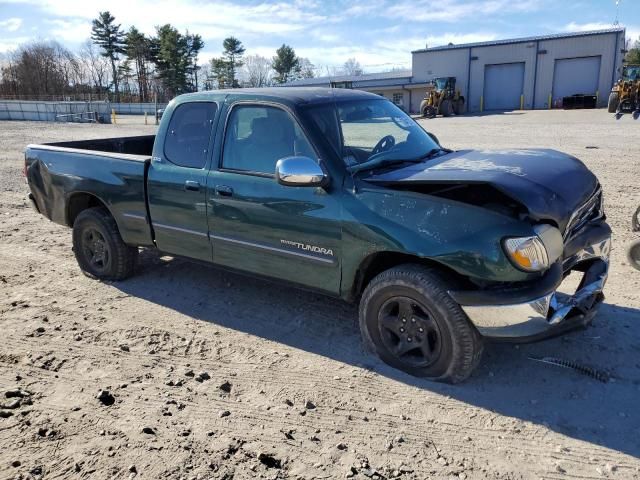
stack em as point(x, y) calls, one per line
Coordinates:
point(591, 210)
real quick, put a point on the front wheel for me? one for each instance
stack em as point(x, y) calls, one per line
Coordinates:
point(612, 105)
point(409, 320)
point(99, 248)
point(633, 254)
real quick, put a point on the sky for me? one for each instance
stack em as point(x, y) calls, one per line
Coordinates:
point(380, 34)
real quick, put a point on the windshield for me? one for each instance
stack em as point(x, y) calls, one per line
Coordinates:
point(441, 83)
point(631, 73)
point(372, 131)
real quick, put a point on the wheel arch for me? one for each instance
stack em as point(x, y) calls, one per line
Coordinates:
point(79, 201)
point(378, 262)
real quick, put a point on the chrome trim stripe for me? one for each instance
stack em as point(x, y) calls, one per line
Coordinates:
point(179, 229)
point(272, 249)
point(135, 216)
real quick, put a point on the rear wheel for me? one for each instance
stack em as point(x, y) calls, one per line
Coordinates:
point(633, 254)
point(614, 99)
point(446, 107)
point(409, 320)
point(98, 247)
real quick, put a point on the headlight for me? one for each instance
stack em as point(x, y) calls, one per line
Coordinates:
point(537, 252)
point(527, 253)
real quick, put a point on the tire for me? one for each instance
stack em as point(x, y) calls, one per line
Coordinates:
point(458, 108)
point(454, 347)
point(633, 254)
point(424, 109)
point(612, 105)
point(98, 246)
point(446, 107)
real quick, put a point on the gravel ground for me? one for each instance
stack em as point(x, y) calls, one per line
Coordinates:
point(188, 372)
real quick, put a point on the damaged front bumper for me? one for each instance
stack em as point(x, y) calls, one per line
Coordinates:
point(533, 312)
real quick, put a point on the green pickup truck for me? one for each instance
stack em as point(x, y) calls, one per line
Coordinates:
point(341, 192)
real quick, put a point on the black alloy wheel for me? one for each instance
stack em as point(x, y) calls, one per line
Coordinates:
point(408, 330)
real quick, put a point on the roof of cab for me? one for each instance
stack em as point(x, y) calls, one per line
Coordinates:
point(295, 95)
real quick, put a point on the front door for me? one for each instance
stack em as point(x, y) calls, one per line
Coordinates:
point(177, 181)
point(258, 225)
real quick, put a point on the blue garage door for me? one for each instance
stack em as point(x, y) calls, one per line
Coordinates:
point(503, 86)
point(573, 76)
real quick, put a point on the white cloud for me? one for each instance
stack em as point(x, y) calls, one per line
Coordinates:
point(586, 27)
point(632, 31)
point(455, 10)
point(261, 18)
point(633, 34)
point(75, 30)
point(11, 24)
point(8, 45)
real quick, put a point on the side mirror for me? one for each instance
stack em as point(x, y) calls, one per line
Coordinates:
point(300, 172)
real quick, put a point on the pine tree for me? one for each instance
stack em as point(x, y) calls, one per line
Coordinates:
point(286, 64)
point(110, 38)
point(226, 67)
point(139, 50)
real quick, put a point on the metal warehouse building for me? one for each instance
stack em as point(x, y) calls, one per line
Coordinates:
point(505, 74)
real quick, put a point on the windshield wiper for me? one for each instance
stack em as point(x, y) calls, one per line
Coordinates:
point(392, 161)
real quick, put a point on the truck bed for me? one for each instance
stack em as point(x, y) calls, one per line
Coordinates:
point(110, 172)
point(139, 145)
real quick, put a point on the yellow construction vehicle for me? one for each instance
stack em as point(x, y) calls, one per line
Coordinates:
point(625, 94)
point(442, 98)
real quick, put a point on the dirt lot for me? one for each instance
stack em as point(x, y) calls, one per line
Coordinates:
point(214, 375)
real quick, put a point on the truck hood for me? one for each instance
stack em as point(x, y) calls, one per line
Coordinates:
point(551, 185)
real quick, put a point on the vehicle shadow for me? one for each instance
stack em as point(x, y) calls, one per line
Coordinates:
point(507, 381)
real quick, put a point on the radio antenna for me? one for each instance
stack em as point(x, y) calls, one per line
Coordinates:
point(616, 22)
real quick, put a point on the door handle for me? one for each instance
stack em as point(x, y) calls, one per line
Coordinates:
point(224, 190)
point(192, 186)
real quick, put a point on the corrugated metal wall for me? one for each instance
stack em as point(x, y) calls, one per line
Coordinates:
point(55, 111)
point(136, 108)
point(607, 46)
point(537, 55)
point(523, 53)
point(447, 63)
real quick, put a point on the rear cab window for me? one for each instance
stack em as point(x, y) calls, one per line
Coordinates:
point(189, 133)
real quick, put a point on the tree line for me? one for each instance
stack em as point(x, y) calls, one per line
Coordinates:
point(128, 65)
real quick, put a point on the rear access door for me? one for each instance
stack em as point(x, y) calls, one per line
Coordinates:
point(177, 179)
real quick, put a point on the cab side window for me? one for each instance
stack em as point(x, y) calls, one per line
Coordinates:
point(258, 136)
point(188, 134)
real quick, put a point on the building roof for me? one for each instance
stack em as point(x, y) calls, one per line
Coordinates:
point(554, 36)
point(350, 78)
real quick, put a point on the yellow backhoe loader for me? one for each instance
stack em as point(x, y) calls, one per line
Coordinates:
point(625, 94)
point(442, 98)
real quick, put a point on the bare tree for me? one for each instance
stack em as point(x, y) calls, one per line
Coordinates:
point(257, 71)
point(352, 67)
point(40, 69)
point(96, 65)
point(207, 81)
